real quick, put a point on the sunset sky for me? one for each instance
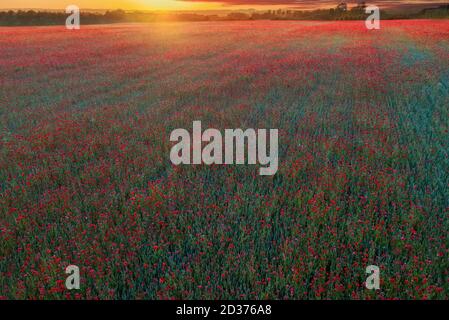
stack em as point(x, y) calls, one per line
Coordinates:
point(193, 4)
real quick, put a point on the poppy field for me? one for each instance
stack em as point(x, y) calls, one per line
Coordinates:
point(363, 177)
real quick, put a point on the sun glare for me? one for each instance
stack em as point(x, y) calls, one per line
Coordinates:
point(175, 4)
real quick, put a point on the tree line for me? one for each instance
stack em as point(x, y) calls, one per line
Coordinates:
point(341, 12)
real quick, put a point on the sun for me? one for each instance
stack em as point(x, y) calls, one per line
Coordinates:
point(175, 5)
point(164, 4)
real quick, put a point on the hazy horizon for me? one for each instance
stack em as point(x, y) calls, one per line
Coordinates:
point(204, 5)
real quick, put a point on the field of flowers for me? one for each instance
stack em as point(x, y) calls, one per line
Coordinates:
point(363, 179)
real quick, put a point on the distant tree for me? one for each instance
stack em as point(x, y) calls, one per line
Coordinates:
point(31, 18)
point(361, 5)
point(342, 7)
point(115, 15)
point(237, 16)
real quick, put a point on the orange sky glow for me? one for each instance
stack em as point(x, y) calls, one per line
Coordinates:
point(190, 4)
point(112, 4)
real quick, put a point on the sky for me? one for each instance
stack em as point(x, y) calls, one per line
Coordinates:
point(195, 4)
